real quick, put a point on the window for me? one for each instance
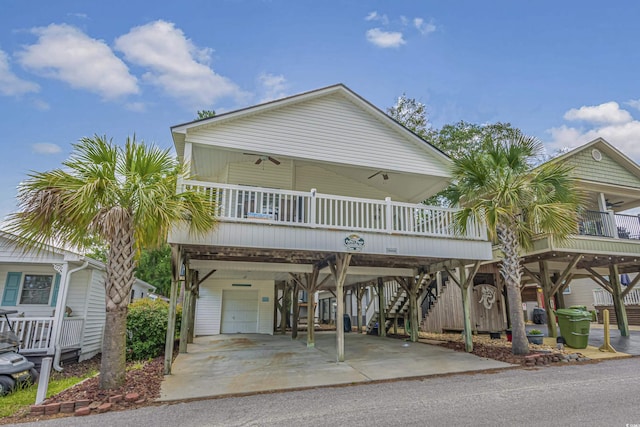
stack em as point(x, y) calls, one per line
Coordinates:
point(36, 289)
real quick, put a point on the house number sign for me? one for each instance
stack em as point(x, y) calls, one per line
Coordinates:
point(354, 243)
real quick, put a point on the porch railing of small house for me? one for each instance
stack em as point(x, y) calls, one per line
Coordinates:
point(609, 224)
point(71, 332)
point(316, 210)
point(604, 298)
point(35, 333)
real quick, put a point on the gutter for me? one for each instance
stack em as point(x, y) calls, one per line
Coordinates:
point(58, 349)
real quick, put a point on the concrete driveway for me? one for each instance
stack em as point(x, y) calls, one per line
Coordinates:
point(243, 364)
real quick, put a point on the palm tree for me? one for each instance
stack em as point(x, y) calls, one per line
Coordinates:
point(124, 197)
point(500, 186)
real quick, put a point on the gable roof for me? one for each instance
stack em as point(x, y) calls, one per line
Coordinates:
point(179, 132)
point(601, 167)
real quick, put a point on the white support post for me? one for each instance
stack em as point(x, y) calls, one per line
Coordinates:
point(389, 215)
point(58, 317)
point(611, 224)
point(312, 208)
point(43, 379)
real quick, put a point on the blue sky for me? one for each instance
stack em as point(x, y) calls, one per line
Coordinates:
point(565, 72)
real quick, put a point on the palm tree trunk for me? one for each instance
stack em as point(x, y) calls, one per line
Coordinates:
point(512, 273)
point(118, 283)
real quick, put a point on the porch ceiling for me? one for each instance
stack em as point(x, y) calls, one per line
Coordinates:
point(209, 164)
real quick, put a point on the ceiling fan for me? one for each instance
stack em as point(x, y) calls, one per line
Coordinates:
point(385, 176)
point(613, 204)
point(261, 158)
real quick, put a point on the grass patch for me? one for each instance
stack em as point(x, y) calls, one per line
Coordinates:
point(25, 396)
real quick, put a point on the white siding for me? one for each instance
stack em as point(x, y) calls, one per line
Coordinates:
point(326, 129)
point(77, 293)
point(305, 239)
point(209, 305)
point(94, 316)
point(581, 293)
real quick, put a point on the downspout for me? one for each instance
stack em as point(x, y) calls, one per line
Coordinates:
point(60, 316)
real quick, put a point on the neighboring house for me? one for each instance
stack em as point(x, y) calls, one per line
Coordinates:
point(605, 247)
point(322, 189)
point(140, 290)
point(59, 297)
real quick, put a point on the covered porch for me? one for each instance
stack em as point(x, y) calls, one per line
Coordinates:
point(36, 334)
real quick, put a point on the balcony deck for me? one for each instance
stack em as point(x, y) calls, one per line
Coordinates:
point(254, 217)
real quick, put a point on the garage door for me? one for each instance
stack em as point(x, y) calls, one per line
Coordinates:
point(239, 312)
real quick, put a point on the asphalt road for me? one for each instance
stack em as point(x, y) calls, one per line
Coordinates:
point(594, 394)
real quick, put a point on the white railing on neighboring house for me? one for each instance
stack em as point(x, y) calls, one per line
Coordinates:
point(35, 333)
point(315, 210)
point(602, 297)
point(71, 332)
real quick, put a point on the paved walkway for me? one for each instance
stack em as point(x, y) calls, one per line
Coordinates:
point(241, 364)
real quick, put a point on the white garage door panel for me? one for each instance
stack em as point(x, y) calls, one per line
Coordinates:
point(207, 312)
point(239, 312)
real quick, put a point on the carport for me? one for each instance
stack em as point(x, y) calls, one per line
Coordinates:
point(223, 365)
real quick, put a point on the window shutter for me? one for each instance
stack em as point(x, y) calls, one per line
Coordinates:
point(11, 289)
point(56, 286)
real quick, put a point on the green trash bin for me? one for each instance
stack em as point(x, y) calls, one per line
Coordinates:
point(574, 326)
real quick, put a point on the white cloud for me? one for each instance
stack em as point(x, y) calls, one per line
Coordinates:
point(375, 16)
point(607, 121)
point(10, 84)
point(41, 105)
point(424, 27)
point(46, 148)
point(385, 39)
point(137, 107)
point(65, 53)
point(609, 112)
point(634, 103)
point(273, 86)
point(175, 64)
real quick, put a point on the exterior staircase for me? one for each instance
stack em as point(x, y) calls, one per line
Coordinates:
point(396, 304)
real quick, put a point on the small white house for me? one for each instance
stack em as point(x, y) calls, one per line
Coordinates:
point(59, 299)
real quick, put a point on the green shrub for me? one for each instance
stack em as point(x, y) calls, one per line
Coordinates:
point(147, 328)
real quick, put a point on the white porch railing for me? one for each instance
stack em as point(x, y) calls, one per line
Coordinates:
point(602, 297)
point(35, 333)
point(315, 210)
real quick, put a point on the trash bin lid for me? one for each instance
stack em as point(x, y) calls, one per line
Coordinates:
point(570, 312)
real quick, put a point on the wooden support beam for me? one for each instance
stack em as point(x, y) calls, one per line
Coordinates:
point(600, 280)
point(176, 264)
point(339, 271)
point(195, 294)
point(294, 302)
point(206, 276)
point(547, 285)
point(360, 289)
point(186, 304)
point(312, 287)
point(285, 307)
point(558, 283)
point(618, 301)
point(465, 282)
point(631, 285)
point(534, 276)
point(382, 317)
